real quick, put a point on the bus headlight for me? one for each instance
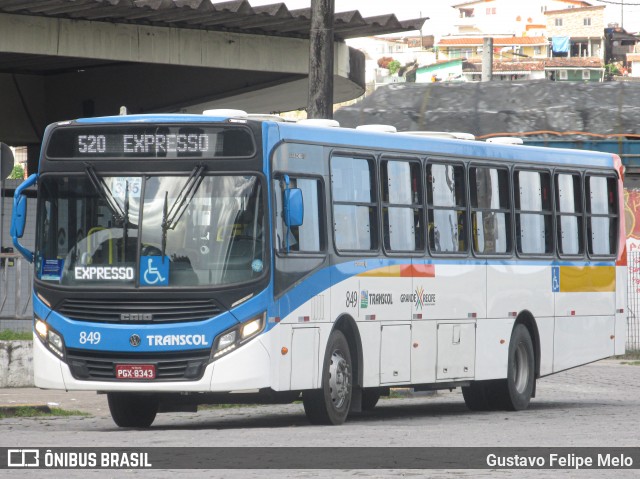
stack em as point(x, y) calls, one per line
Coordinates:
point(49, 337)
point(233, 338)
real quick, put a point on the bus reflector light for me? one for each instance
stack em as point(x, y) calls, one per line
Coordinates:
point(303, 319)
point(370, 317)
point(472, 315)
point(284, 350)
point(502, 341)
point(417, 316)
point(572, 312)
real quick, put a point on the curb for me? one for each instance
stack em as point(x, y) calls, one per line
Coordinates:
point(11, 410)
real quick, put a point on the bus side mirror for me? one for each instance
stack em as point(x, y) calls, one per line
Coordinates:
point(19, 216)
point(293, 207)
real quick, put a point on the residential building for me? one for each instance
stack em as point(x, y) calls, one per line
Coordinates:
point(507, 17)
point(504, 48)
point(576, 32)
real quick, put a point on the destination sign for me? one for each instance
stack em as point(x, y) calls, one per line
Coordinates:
point(146, 141)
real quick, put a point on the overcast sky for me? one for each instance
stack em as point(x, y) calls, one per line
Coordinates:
point(440, 11)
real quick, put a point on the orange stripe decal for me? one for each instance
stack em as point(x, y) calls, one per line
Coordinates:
point(402, 271)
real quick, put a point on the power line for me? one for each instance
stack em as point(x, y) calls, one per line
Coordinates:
point(623, 3)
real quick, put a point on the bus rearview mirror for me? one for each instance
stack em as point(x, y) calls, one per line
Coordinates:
point(19, 219)
point(293, 207)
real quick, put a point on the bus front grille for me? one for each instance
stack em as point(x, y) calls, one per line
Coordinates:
point(170, 366)
point(139, 312)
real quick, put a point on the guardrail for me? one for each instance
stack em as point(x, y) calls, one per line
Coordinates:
point(16, 282)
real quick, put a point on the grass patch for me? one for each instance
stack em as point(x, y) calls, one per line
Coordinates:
point(8, 335)
point(30, 411)
point(631, 363)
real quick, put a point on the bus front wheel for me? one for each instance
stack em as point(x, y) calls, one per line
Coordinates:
point(516, 391)
point(330, 404)
point(132, 410)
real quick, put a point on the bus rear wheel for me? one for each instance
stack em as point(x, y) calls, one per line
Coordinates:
point(476, 396)
point(330, 404)
point(132, 410)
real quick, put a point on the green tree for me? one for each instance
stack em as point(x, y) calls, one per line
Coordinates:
point(393, 67)
point(17, 173)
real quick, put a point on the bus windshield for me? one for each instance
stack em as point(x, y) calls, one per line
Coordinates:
point(149, 231)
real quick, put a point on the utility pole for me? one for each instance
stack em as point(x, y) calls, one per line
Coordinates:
point(487, 59)
point(320, 104)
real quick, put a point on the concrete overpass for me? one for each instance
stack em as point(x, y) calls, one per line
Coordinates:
point(63, 59)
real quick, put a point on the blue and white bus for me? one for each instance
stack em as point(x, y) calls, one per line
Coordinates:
point(190, 259)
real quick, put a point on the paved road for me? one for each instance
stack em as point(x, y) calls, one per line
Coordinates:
point(595, 405)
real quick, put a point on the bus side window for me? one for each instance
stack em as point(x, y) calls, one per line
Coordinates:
point(569, 214)
point(353, 186)
point(602, 215)
point(533, 212)
point(402, 206)
point(490, 211)
point(447, 208)
point(308, 237)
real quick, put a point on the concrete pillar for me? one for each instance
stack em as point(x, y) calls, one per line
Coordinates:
point(487, 59)
point(320, 104)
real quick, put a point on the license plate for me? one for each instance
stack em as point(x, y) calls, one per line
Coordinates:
point(135, 371)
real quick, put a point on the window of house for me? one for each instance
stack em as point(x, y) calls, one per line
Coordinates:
point(586, 21)
point(568, 191)
point(308, 237)
point(532, 194)
point(558, 22)
point(586, 75)
point(490, 213)
point(537, 50)
point(403, 224)
point(563, 74)
point(446, 202)
point(602, 215)
point(354, 204)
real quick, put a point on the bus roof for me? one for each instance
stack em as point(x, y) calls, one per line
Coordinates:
point(416, 144)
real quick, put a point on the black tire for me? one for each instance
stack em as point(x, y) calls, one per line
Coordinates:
point(132, 410)
point(514, 393)
point(370, 397)
point(476, 396)
point(330, 404)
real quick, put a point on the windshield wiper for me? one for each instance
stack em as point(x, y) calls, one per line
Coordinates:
point(171, 216)
point(105, 193)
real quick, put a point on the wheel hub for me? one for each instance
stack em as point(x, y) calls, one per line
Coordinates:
point(339, 379)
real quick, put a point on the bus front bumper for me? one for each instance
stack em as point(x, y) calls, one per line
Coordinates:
point(247, 368)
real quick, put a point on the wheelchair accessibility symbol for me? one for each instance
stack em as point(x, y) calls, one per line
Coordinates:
point(154, 271)
point(555, 279)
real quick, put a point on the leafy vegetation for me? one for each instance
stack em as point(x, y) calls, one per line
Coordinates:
point(17, 173)
point(8, 335)
point(30, 411)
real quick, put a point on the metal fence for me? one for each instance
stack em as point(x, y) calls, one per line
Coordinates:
point(16, 278)
point(633, 302)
